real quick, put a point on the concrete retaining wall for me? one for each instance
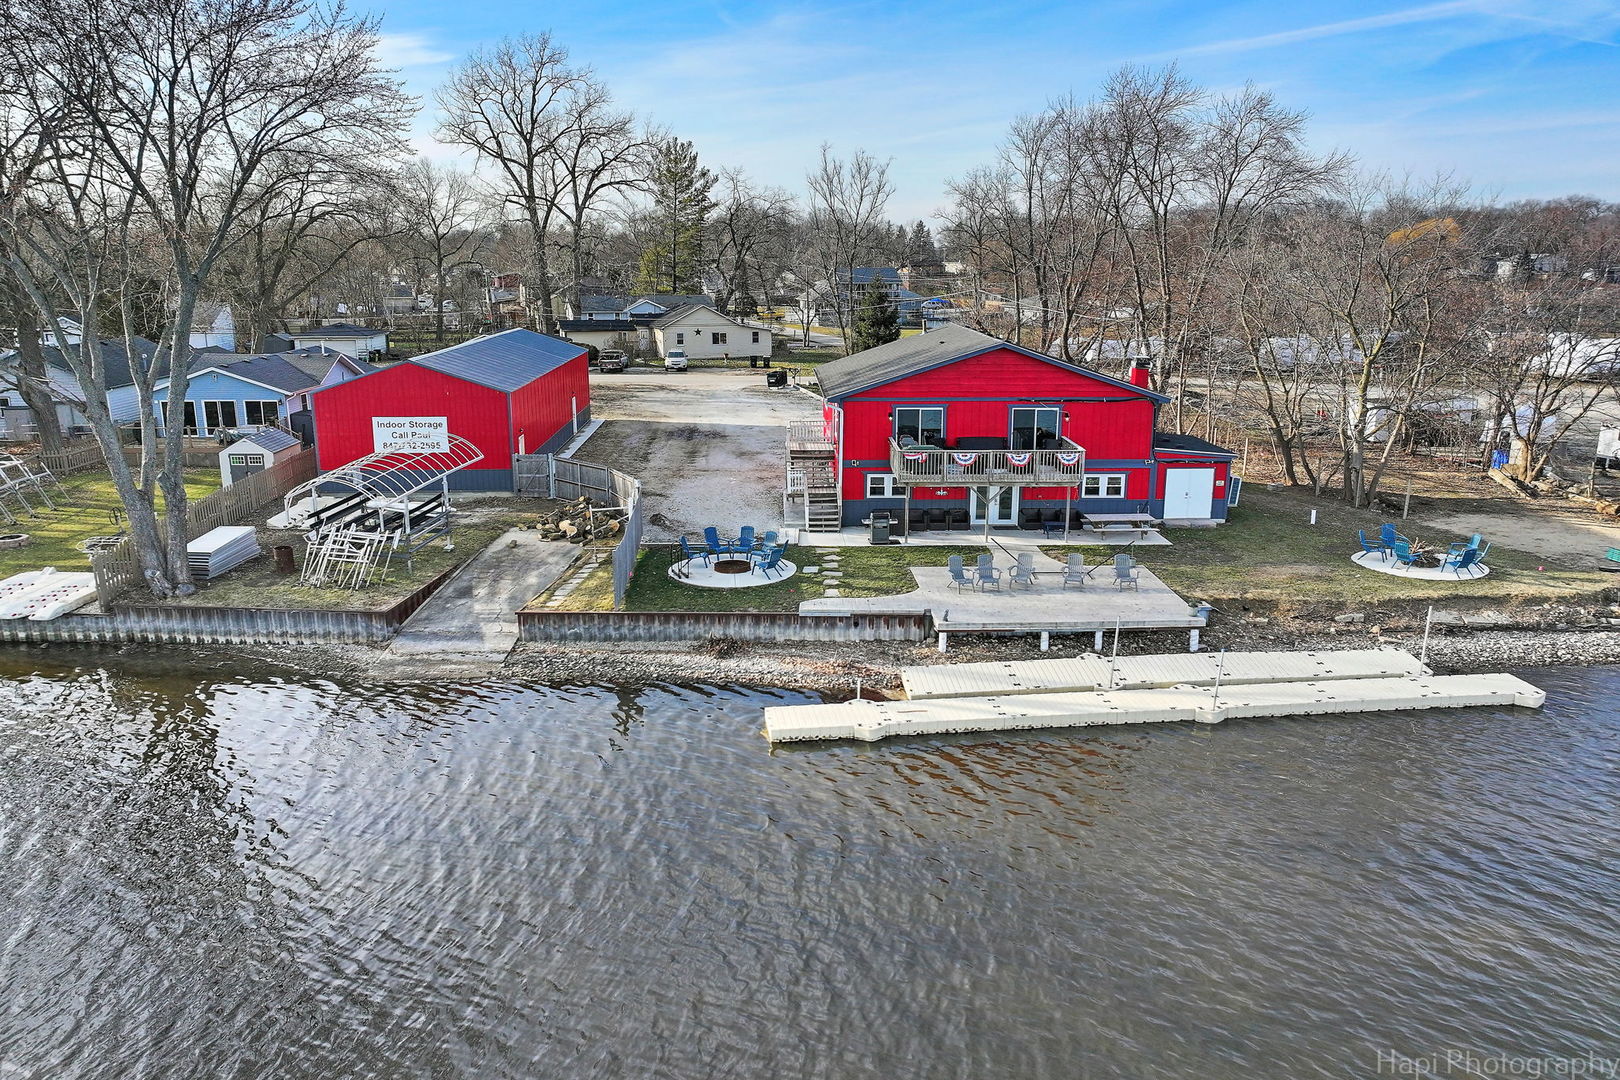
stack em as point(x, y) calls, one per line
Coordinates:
point(177, 624)
point(640, 626)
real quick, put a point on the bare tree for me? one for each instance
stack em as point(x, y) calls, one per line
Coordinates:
point(551, 134)
point(442, 209)
point(140, 140)
point(846, 222)
point(749, 239)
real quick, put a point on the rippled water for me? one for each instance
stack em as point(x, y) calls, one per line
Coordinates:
point(237, 875)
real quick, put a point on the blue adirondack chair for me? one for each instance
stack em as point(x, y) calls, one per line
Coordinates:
point(771, 562)
point(1463, 560)
point(1403, 553)
point(1461, 546)
point(711, 536)
point(690, 553)
point(959, 574)
point(1371, 547)
point(1388, 536)
point(745, 540)
point(768, 541)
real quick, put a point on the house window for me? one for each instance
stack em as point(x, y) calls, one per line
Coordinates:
point(216, 415)
point(680, 339)
point(919, 424)
point(1035, 429)
point(756, 337)
point(1103, 486)
point(719, 338)
point(881, 485)
point(261, 413)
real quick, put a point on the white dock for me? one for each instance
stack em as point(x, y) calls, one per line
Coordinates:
point(870, 721)
point(1093, 672)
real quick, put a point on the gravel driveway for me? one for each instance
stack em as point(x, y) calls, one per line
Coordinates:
point(709, 447)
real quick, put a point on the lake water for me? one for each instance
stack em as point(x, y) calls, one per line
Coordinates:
point(212, 872)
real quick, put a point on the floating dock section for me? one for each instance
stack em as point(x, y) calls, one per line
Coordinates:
point(870, 721)
point(1093, 672)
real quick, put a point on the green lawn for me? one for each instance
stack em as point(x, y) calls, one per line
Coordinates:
point(1270, 552)
point(88, 507)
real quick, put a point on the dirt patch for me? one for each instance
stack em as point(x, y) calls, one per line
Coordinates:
point(1543, 530)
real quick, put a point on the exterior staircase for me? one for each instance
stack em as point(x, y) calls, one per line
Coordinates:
point(812, 479)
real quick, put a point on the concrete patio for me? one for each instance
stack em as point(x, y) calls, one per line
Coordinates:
point(1046, 608)
point(1018, 539)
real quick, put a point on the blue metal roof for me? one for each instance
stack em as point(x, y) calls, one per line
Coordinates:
point(505, 361)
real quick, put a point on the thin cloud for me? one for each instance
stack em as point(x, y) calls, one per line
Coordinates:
point(1427, 13)
point(410, 50)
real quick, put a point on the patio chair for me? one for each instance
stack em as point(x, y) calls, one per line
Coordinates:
point(989, 576)
point(1483, 549)
point(983, 560)
point(1371, 547)
point(936, 520)
point(917, 520)
point(1029, 517)
point(1471, 544)
point(959, 574)
point(1022, 572)
point(1125, 573)
point(772, 562)
point(1388, 536)
point(1465, 559)
point(768, 541)
point(745, 541)
point(958, 519)
point(690, 553)
point(711, 537)
point(1402, 550)
point(1074, 570)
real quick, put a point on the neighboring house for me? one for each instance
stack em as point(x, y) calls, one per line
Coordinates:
point(846, 289)
point(515, 392)
point(956, 426)
point(701, 331)
point(358, 341)
point(604, 333)
point(230, 391)
point(213, 326)
point(399, 299)
point(122, 403)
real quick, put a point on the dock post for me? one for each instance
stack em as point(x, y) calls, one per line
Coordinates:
point(942, 641)
point(1097, 645)
point(1046, 640)
point(1192, 640)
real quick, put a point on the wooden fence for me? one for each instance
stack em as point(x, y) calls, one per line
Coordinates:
point(73, 458)
point(549, 476)
point(118, 569)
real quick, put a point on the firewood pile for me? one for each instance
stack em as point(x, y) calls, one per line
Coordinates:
point(580, 522)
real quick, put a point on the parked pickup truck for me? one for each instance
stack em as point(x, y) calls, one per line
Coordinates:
point(676, 360)
point(611, 360)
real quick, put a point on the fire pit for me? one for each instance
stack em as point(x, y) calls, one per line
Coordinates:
point(732, 566)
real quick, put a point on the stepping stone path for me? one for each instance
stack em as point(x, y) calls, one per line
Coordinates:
point(574, 579)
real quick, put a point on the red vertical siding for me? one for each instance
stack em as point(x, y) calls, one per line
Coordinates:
point(545, 406)
point(343, 413)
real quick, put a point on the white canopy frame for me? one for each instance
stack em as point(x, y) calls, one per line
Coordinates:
point(388, 480)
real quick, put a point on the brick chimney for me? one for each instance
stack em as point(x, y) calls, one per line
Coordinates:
point(1140, 375)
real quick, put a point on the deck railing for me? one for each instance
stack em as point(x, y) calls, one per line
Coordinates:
point(807, 435)
point(932, 466)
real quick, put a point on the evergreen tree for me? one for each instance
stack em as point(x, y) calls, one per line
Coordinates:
point(681, 206)
point(920, 249)
point(877, 320)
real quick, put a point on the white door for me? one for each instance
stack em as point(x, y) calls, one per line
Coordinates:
point(1003, 506)
point(1188, 493)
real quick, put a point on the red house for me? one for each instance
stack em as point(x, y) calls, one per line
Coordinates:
point(953, 428)
point(515, 392)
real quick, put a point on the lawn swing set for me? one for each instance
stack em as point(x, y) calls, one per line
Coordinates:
point(361, 516)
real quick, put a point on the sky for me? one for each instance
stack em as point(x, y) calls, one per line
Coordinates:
point(1517, 97)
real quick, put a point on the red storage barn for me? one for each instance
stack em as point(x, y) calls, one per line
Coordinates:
point(516, 392)
point(955, 429)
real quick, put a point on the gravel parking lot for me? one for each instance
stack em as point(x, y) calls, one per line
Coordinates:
point(708, 446)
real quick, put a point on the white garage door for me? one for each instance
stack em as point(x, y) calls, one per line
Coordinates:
point(1188, 493)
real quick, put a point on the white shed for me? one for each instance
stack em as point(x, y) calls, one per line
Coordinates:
point(257, 452)
point(356, 341)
